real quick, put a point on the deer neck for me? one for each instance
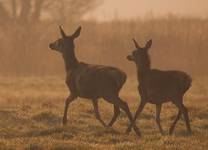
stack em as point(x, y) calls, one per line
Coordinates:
point(70, 60)
point(143, 69)
point(142, 73)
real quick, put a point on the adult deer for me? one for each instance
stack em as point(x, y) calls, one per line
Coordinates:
point(158, 87)
point(91, 81)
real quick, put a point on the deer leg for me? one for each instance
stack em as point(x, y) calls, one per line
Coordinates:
point(124, 106)
point(67, 102)
point(187, 119)
point(174, 123)
point(184, 111)
point(116, 114)
point(158, 110)
point(97, 114)
point(139, 110)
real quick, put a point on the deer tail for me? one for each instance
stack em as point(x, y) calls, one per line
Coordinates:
point(121, 80)
point(187, 82)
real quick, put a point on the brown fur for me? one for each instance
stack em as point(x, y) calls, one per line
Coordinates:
point(158, 87)
point(91, 81)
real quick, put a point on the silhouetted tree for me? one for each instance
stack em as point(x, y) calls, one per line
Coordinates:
point(22, 23)
point(33, 10)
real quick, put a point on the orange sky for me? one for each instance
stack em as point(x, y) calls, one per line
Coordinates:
point(127, 9)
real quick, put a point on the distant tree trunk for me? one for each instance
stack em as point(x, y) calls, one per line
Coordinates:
point(4, 15)
point(14, 9)
point(38, 10)
point(25, 11)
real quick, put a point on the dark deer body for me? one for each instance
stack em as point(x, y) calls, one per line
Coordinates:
point(158, 87)
point(91, 81)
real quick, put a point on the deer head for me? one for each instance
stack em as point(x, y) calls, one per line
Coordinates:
point(66, 42)
point(140, 55)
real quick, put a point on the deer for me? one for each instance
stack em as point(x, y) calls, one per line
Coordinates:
point(158, 87)
point(91, 82)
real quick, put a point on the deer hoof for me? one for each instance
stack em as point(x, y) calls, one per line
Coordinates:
point(162, 133)
point(171, 131)
point(64, 121)
point(138, 133)
point(128, 130)
point(189, 132)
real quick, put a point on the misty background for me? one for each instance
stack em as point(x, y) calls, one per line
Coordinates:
point(179, 30)
point(130, 9)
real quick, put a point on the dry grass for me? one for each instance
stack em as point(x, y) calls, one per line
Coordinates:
point(31, 111)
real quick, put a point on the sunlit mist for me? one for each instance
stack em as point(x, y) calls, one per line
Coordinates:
point(128, 9)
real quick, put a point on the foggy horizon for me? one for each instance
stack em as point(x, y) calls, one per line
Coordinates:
point(125, 10)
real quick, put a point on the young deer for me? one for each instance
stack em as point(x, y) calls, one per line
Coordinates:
point(91, 81)
point(158, 87)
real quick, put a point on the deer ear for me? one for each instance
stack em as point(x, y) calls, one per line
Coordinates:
point(62, 32)
point(77, 32)
point(136, 44)
point(148, 45)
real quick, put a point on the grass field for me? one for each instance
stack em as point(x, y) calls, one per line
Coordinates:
point(31, 110)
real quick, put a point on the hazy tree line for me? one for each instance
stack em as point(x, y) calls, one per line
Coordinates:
point(24, 25)
point(27, 26)
point(32, 11)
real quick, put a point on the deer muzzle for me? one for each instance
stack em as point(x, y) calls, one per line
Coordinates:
point(130, 57)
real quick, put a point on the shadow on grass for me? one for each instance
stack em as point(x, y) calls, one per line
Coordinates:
point(10, 118)
point(71, 146)
point(104, 131)
point(204, 127)
point(203, 115)
point(47, 118)
point(147, 116)
point(65, 132)
point(46, 132)
point(182, 133)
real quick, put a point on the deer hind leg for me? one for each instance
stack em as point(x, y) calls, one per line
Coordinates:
point(138, 112)
point(187, 119)
point(158, 110)
point(184, 111)
point(175, 122)
point(97, 114)
point(70, 99)
point(124, 106)
point(115, 116)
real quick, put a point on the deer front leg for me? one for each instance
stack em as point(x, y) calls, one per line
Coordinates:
point(174, 123)
point(70, 99)
point(184, 111)
point(97, 114)
point(124, 106)
point(158, 110)
point(115, 116)
point(139, 110)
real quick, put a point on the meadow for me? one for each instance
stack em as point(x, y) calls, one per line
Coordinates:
point(31, 110)
point(33, 90)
